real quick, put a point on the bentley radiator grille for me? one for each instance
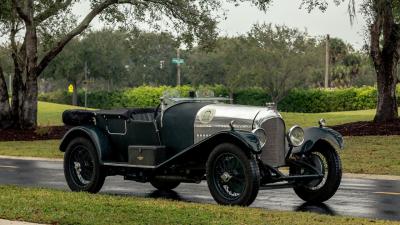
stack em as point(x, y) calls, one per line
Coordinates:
point(274, 151)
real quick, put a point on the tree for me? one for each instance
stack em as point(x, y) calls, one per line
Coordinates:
point(150, 55)
point(53, 21)
point(383, 21)
point(282, 58)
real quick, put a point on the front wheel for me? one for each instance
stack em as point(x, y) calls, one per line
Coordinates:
point(233, 177)
point(327, 161)
point(82, 169)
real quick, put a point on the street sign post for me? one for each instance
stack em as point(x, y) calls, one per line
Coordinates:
point(178, 61)
point(71, 88)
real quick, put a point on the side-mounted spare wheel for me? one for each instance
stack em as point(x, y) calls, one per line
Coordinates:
point(232, 176)
point(82, 168)
point(326, 160)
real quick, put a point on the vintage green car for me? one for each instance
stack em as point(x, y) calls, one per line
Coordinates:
point(238, 149)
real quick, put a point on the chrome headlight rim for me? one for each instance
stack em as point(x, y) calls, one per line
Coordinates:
point(263, 140)
point(290, 135)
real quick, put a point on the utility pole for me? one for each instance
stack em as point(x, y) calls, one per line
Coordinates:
point(327, 62)
point(86, 83)
point(178, 68)
point(10, 89)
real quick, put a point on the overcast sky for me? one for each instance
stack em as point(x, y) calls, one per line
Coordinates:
point(335, 21)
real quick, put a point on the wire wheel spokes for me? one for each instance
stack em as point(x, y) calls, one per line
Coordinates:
point(319, 161)
point(82, 165)
point(229, 176)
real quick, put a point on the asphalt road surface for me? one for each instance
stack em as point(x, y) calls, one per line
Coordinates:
point(355, 197)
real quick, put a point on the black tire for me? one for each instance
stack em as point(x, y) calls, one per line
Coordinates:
point(164, 185)
point(318, 191)
point(233, 178)
point(82, 169)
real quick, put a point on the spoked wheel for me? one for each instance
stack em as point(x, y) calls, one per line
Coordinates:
point(233, 178)
point(327, 162)
point(81, 166)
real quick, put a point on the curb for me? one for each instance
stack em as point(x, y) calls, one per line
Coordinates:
point(371, 176)
point(345, 175)
point(30, 158)
point(10, 222)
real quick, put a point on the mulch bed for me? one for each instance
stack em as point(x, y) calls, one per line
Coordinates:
point(41, 133)
point(369, 128)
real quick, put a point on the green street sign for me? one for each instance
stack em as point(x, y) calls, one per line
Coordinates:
point(178, 61)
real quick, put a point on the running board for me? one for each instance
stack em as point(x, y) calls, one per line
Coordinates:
point(127, 165)
point(276, 186)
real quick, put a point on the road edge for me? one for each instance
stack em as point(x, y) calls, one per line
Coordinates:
point(345, 175)
point(13, 222)
point(31, 158)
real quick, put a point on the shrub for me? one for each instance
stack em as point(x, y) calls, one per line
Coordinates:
point(297, 100)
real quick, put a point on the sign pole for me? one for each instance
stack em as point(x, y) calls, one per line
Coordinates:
point(178, 68)
point(86, 88)
point(327, 62)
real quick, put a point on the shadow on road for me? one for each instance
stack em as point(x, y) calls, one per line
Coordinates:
point(319, 208)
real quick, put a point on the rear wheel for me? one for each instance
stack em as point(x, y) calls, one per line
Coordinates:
point(233, 178)
point(164, 185)
point(326, 160)
point(82, 169)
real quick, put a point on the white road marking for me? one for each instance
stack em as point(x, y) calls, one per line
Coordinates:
point(10, 167)
point(387, 193)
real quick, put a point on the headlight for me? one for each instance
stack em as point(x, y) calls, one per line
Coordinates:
point(296, 136)
point(261, 135)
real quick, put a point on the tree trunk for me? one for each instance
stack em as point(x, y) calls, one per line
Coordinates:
point(75, 94)
point(5, 110)
point(30, 103)
point(385, 45)
point(386, 109)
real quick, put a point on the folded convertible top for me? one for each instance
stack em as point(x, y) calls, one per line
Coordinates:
point(78, 117)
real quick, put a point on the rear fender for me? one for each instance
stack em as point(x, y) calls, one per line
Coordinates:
point(94, 134)
point(313, 135)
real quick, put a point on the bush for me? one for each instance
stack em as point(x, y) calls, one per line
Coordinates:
point(297, 100)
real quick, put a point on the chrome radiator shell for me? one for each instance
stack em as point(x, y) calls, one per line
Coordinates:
point(214, 118)
point(274, 152)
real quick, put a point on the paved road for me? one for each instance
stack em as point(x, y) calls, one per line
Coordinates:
point(356, 197)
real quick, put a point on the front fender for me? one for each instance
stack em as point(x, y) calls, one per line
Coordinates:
point(314, 134)
point(94, 134)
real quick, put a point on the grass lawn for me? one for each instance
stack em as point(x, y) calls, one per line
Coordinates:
point(371, 154)
point(58, 207)
point(332, 118)
point(50, 114)
point(44, 149)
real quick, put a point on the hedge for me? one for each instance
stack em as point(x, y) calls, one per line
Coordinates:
point(297, 100)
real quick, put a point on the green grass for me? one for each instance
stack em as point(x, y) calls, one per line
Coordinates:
point(59, 207)
point(44, 149)
point(371, 154)
point(332, 118)
point(50, 113)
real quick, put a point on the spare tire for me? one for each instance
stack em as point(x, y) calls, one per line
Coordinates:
point(78, 117)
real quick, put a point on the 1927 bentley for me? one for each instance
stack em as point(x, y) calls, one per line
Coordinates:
point(238, 149)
